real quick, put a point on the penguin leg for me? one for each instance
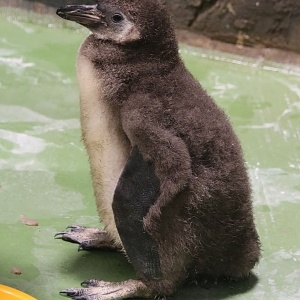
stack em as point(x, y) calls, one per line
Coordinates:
point(136, 191)
point(87, 238)
point(101, 290)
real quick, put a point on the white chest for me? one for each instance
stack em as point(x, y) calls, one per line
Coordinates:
point(104, 139)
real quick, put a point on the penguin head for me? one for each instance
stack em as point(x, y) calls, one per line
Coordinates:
point(121, 21)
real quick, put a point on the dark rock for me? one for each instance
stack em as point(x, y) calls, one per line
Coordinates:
point(243, 24)
point(184, 11)
point(274, 23)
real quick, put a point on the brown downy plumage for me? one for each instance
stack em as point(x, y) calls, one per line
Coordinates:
point(170, 181)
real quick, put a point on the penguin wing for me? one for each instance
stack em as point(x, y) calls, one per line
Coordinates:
point(137, 189)
point(158, 168)
point(141, 121)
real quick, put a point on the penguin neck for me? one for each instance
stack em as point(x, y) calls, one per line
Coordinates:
point(106, 53)
point(126, 67)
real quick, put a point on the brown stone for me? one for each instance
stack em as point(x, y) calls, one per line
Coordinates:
point(274, 23)
point(243, 24)
point(184, 11)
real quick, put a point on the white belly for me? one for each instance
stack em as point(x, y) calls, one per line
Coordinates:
point(105, 141)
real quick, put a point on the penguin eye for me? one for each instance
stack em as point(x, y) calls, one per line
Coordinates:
point(117, 18)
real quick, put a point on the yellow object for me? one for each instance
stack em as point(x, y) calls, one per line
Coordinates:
point(8, 293)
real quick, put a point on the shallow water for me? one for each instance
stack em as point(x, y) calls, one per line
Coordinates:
point(44, 171)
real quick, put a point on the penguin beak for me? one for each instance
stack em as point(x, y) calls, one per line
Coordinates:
point(86, 15)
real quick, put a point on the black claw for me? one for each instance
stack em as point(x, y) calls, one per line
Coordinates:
point(84, 284)
point(59, 235)
point(64, 293)
point(84, 246)
point(89, 283)
point(75, 227)
point(70, 293)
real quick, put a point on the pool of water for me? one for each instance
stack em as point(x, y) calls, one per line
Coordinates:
point(44, 172)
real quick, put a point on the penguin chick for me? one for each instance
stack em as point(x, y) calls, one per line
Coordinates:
point(169, 177)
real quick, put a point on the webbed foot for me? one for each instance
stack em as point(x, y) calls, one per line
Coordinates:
point(87, 238)
point(101, 290)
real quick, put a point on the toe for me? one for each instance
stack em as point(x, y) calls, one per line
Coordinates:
point(90, 283)
point(59, 235)
point(87, 238)
point(86, 245)
point(68, 293)
point(76, 294)
point(76, 228)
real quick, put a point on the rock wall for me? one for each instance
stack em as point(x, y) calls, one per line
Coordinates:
point(271, 23)
point(256, 23)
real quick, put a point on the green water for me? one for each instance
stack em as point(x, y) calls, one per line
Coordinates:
point(44, 171)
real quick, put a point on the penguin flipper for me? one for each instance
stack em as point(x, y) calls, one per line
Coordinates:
point(137, 190)
point(162, 146)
